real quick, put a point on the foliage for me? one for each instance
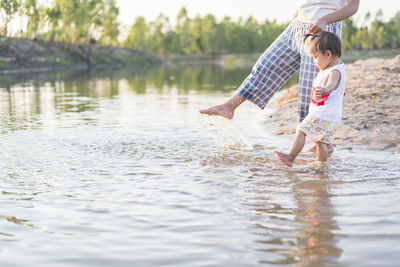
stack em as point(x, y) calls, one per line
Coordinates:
point(137, 37)
point(58, 61)
point(8, 9)
point(202, 35)
point(31, 11)
point(205, 35)
point(3, 64)
point(377, 35)
point(110, 25)
point(78, 21)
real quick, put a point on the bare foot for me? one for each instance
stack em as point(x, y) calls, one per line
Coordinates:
point(313, 149)
point(318, 164)
point(286, 159)
point(219, 110)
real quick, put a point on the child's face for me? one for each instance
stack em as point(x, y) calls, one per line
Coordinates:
point(322, 60)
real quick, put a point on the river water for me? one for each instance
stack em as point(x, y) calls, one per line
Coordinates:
point(118, 168)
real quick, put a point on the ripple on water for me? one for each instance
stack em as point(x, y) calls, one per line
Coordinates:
point(135, 186)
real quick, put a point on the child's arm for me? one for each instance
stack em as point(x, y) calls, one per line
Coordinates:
point(342, 13)
point(331, 85)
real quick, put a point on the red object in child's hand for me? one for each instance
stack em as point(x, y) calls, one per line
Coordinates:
point(316, 96)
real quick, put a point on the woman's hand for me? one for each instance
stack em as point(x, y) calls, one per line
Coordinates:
point(317, 27)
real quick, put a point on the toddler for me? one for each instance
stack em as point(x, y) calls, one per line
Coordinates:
point(325, 109)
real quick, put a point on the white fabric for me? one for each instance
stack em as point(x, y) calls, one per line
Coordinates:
point(311, 10)
point(331, 109)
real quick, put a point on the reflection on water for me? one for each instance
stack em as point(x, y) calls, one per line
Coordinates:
point(68, 92)
point(118, 168)
point(316, 241)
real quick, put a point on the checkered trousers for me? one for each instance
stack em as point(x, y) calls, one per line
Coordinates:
point(279, 63)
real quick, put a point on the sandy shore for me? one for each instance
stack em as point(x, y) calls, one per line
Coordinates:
point(371, 109)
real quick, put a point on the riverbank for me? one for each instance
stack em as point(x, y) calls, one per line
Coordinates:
point(25, 55)
point(371, 110)
point(248, 59)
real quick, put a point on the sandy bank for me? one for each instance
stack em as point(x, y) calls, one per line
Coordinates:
point(371, 110)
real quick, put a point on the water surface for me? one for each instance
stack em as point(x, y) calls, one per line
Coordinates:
point(118, 168)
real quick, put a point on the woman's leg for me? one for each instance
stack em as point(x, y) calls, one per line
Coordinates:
point(276, 66)
point(227, 109)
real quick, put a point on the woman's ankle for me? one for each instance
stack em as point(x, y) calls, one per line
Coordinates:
point(234, 102)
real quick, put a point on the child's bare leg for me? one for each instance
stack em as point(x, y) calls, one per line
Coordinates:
point(225, 110)
point(298, 144)
point(314, 149)
point(322, 152)
point(295, 149)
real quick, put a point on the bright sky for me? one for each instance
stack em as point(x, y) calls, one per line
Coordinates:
point(282, 10)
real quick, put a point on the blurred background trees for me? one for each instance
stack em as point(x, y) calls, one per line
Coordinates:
point(76, 21)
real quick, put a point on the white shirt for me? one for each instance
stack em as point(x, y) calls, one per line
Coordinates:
point(329, 109)
point(311, 10)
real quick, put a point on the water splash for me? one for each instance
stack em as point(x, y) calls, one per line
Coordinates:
point(227, 133)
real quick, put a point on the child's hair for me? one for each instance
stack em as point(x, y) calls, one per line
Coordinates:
point(326, 41)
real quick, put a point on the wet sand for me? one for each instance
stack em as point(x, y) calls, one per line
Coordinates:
point(371, 109)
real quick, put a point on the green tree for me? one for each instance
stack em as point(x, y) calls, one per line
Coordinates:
point(31, 11)
point(87, 19)
point(380, 38)
point(8, 9)
point(209, 36)
point(110, 25)
point(183, 29)
point(197, 32)
point(348, 33)
point(52, 18)
point(78, 20)
point(251, 34)
point(377, 33)
point(224, 32)
point(221, 39)
point(137, 37)
point(393, 33)
point(171, 42)
point(158, 31)
point(237, 36)
point(360, 39)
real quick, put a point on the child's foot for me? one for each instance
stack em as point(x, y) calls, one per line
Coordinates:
point(286, 159)
point(319, 164)
point(219, 110)
point(313, 149)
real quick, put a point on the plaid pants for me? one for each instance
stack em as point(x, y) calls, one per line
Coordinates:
point(279, 63)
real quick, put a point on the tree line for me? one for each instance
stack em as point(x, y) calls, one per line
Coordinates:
point(77, 21)
point(73, 21)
